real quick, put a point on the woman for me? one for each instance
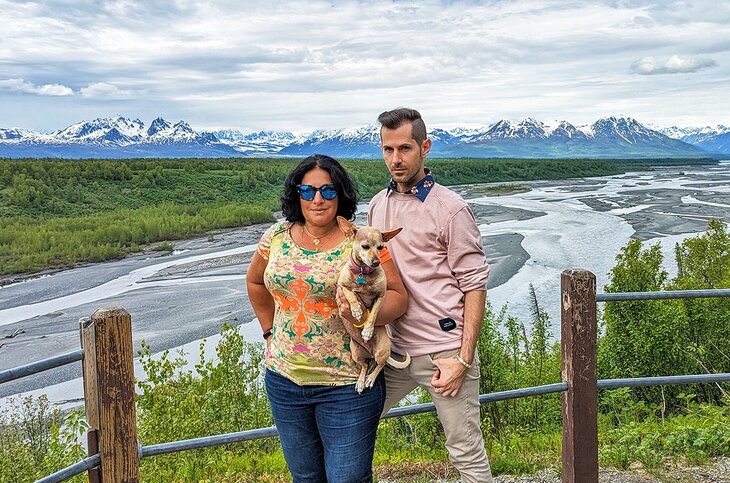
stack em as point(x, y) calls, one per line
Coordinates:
point(327, 429)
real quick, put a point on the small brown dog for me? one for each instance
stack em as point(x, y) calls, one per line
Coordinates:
point(362, 283)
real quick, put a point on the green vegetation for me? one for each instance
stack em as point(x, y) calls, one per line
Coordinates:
point(670, 337)
point(37, 440)
point(57, 213)
point(650, 426)
point(216, 397)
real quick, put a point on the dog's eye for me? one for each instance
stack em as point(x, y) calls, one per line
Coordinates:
point(380, 247)
point(365, 247)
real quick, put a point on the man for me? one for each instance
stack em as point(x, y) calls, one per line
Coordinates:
point(440, 258)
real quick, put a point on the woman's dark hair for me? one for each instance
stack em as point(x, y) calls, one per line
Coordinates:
point(347, 195)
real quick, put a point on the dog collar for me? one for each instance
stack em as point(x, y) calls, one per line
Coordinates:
point(360, 270)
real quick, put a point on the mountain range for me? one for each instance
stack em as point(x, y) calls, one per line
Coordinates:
point(713, 140)
point(611, 137)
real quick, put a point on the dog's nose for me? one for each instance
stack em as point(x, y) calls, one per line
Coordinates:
point(376, 263)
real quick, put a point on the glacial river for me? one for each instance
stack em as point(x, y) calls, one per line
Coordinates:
point(530, 237)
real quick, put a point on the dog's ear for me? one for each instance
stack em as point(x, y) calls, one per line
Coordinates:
point(349, 229)
point(387, 235)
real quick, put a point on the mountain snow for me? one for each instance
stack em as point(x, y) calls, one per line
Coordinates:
point(261, 143)
point(610, 136)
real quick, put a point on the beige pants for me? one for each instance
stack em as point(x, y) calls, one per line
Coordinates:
point(459, 415)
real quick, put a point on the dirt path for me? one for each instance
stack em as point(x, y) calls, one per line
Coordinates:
point(715, 471)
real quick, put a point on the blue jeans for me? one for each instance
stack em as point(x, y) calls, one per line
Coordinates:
point(327, 432)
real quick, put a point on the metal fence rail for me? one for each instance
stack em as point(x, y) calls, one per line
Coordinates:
point(40, 366)
point(227, 438)
point(664, 295)
point(663, 380)
point(73, 470)
point(483, 399)
point(207, 441)
point(579, 293)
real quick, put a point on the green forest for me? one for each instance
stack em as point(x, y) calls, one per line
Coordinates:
point(58, 213)
point(654, 429)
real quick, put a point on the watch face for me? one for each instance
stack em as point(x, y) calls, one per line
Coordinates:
point(447, 324)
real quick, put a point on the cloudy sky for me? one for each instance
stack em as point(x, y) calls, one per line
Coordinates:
point(305, 65)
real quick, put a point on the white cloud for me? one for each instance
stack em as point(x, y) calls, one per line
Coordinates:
point(20, 85)
point(104, 90)
point(675, 64)
point(303, 65)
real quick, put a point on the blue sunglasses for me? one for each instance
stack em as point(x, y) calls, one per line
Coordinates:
point(307, 192)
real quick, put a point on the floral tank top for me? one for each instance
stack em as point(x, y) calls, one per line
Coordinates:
point(309, 344)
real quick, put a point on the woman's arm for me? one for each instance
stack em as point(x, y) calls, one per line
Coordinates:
point(259, 296)
point(396, 296)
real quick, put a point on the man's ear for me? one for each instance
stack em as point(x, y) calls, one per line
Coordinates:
point(349, 229)
point(387, 235)
point(425, 147)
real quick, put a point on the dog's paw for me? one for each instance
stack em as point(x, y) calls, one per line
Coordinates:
point(367, 333)
point(360, 386)
point(356, 312)
point(370, 382)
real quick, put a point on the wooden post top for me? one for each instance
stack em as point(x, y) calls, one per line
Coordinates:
point(109, 312)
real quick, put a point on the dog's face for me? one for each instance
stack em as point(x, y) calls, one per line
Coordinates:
point(367, 242)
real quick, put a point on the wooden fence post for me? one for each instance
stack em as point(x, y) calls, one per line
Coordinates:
point(580, 402)
point(109, 394)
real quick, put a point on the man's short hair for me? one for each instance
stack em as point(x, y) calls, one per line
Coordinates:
point(397, 117)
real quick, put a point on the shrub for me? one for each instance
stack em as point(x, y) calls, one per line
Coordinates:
point(35, 441)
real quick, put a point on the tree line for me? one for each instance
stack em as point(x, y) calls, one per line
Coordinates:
point(57, 213)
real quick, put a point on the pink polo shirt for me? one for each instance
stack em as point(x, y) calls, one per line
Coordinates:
point(439, 255)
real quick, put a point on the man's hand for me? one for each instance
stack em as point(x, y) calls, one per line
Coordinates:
point(449, 377)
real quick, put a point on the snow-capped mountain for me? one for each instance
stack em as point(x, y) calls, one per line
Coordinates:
point(693, 134)
point(611, 137)
point(564, 131)
point(714, 140)
point(261, 143)
point(118, 131)
point(163, 132)
point(625, 129)
point(114, 137)
point(526, 129)
point(17, 133)
point(606, 138)
point(362, 142)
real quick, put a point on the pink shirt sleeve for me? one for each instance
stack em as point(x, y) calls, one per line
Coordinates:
point(465, 251)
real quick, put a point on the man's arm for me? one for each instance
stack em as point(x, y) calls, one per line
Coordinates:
point(474, 303)
point(451, 373)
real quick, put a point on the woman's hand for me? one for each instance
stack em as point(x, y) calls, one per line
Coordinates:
point(344, 307)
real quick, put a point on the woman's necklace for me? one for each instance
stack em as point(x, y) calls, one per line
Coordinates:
point(316, 239)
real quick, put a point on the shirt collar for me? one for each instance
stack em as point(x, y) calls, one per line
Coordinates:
point(421, 190)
